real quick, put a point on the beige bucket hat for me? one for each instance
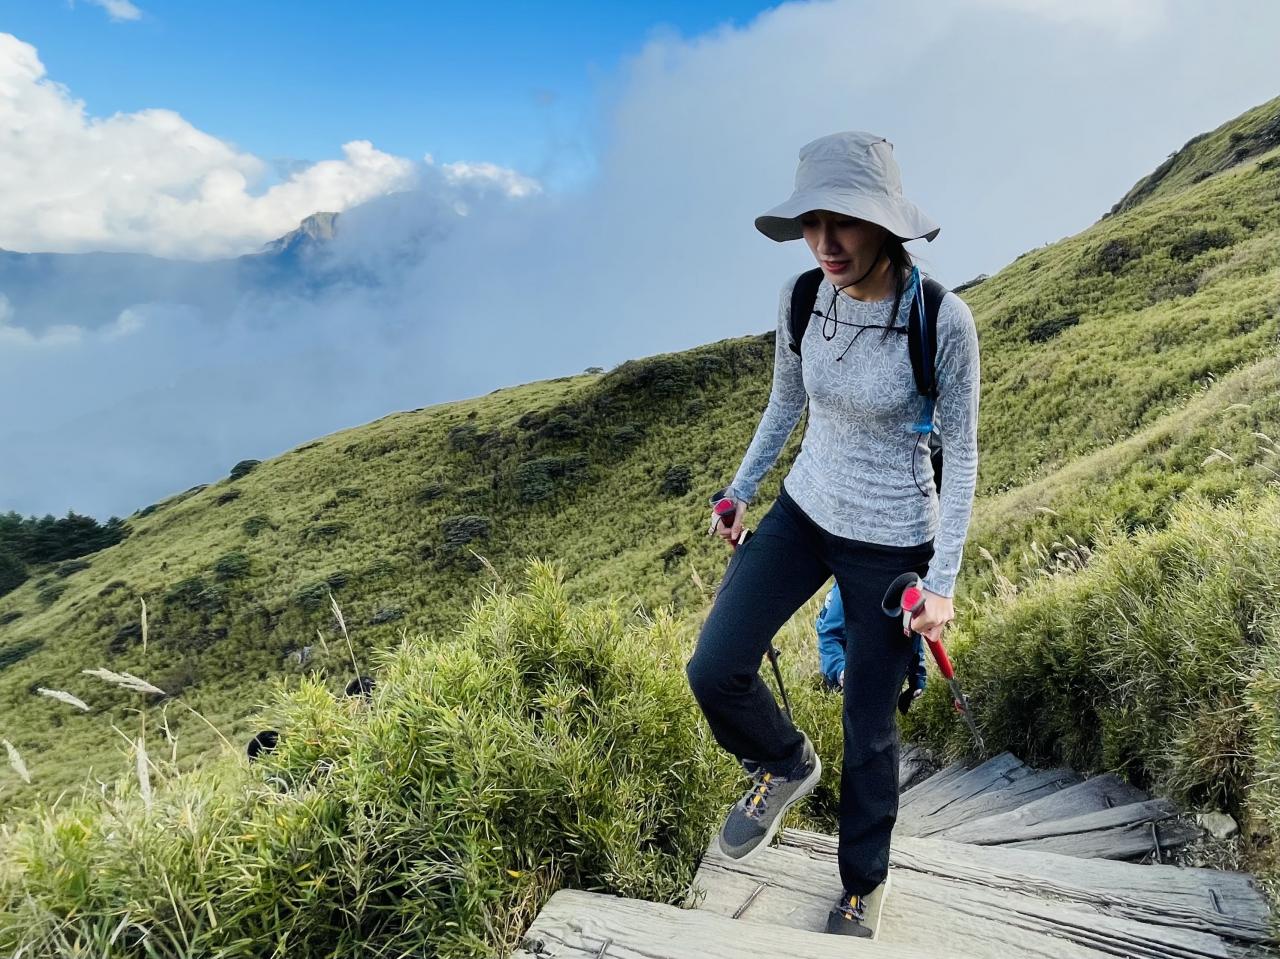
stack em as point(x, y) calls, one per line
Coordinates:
point(852, 173)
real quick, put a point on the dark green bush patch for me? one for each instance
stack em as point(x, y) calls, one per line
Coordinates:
point(13, 653)
point(255, 525)
point(325, 531)
point(125, 637)
point(431, 492)
point(671, 555)
point(233, 565)
point(460, 530)
point(244, 468)
point(312, 596)
point(10, 616)
point(71, 566)
point(1197, 242)
point(378, 569)
point(386, 614)
point(229, 496)
point(1115, 255)
point(677, 480)
point(49, 594)
point(1048, 329)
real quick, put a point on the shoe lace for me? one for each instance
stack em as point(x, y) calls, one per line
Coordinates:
point(852, 907)
point(758, 799)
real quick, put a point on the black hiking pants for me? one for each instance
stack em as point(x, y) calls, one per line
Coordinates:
point(768, 578)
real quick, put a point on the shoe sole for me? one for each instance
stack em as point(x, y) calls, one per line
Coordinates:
point(807, 786)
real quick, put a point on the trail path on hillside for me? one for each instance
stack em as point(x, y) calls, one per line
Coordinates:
point(995, 860)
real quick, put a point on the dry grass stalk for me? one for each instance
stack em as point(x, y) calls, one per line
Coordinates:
point(342, 624)
point(487, 565)
point(144, 775)
point(125, 680)
point(63, 697)
point(15, 761)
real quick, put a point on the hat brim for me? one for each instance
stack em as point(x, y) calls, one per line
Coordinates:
point(898, 215)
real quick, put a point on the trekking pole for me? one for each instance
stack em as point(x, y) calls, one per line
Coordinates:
point(905, 598)
point(726, 512)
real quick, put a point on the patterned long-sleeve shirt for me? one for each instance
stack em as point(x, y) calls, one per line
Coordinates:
point(862, 473)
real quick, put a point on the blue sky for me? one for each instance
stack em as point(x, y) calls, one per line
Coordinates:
point(290, 81)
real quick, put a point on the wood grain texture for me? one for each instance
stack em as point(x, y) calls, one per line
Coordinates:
point(576, 925)
point(1226, 903)
point(976, 913)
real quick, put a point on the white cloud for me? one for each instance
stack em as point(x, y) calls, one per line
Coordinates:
point(512, 183)
point(128, 322)
point(118, 9)
point(1130, 18)
point(149, 181)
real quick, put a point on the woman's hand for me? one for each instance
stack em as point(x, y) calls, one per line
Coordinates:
point(730, 534)
point(937, 612)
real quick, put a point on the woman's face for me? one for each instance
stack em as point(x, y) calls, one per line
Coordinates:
point(844, 246)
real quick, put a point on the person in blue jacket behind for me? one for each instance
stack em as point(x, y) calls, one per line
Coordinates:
point(831, 641)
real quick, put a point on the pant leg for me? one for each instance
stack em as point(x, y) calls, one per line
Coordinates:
point(877, 659)
point(767, 580)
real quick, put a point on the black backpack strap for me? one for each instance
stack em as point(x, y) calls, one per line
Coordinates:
point(803, 295)
point(922, 338)
point(924, 362)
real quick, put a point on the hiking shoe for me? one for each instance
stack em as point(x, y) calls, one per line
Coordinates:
point(756, 817)
point(845, 918)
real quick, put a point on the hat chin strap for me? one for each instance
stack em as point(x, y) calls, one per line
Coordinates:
point(874, 264)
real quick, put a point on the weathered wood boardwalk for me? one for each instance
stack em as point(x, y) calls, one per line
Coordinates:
point(991, 860)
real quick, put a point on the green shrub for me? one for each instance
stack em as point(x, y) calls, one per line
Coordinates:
point(487, 770)
point(255, 525)
point(462, 437)
point(312, 596)
point(677, 480)
point(386, 614)
point(1198, 241)
point(1155, 659)
point(48, 595)
point(460, 530)
point(244, 468)
point(229, 496)
point(234, 565)
point(71, 566)
point(13, 573)
point(10, 616)
point(17, 652)
point(431, 492)
point(326, 530)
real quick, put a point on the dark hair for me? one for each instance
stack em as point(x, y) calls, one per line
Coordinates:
point(900, 262)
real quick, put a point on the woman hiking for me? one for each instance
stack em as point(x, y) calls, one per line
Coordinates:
point(859, 503)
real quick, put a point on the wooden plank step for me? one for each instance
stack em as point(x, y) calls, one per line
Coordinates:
point(588, 925)
point(1044, 782)
point(1097, 793)
point(1154, 836)
point(1228, 904)
point(996, 773)
point(1119, 833)
point(972, 919)
point(944, 775)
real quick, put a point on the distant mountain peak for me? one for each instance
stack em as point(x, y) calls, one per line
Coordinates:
point(317, 228)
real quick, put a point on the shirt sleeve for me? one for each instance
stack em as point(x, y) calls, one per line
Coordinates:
point(957, 411)
point(787, 400)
